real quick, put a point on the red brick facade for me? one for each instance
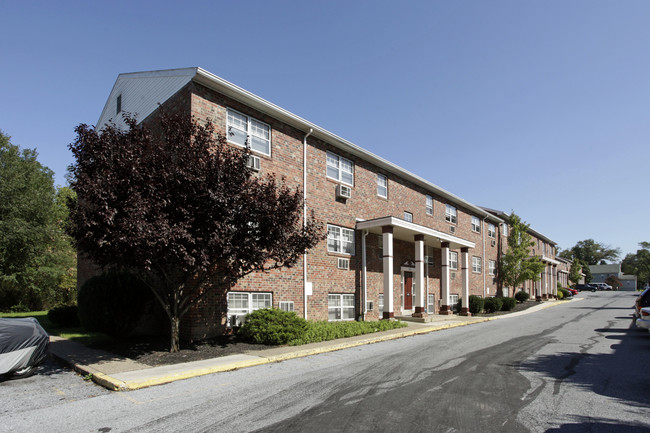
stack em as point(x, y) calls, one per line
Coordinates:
point(405, 193)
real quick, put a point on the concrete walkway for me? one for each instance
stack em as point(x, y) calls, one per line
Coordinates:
point(122, 374)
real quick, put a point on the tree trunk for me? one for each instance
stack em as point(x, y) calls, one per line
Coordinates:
point(175, 334)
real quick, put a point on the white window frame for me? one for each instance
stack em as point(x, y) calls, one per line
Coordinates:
point(336, 303)
point(504, 229)
point(453, 260)
point(477, 266)
point(430, 251)
point(337, 167)
point(451, 214)
point(252, 125)
point(428, 204)
point(476, 224)
point(492, 267)
point(492, 230)
point(250, 301)
point(340, 240)
point(408, 217)
point(286, 306)
point(380, 303)
point(382, 185)
point(453, 302)
point(431, 302)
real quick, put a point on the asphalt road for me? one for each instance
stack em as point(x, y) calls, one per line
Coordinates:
point(577, 367)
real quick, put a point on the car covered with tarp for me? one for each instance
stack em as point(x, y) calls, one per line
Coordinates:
point(23, 347)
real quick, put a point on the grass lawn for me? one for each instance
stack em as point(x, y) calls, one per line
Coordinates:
point(77, 333)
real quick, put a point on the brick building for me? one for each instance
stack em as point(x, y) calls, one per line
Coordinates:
point(397, 244)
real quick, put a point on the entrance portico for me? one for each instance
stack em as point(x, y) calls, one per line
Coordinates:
point(392, 228)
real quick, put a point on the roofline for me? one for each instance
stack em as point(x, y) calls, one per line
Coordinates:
point(506, 216)
point(229, 89)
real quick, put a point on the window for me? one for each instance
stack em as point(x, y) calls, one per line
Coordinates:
point(453, 302)
point(506, 292)
point(429, 255)
point(340, 240)
point(382, 186)
point(380, 246)
point(242, 303)
point(340, 307)
point(248, 132)
point(286, 305)
point(476, 264)
point(118, 104)
point(381, 302)
point(453, 260)
point(431, 304)
point(492, 266)
point(476, 224)
point(504, 229)
point(408, 216)
point(450, 214)
point(339, 168)
point(429, 205)
point(492, 230)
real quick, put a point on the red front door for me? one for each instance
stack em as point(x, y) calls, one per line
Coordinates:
point(408, 290)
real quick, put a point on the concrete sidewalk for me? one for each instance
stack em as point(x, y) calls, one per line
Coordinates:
point(122, 374)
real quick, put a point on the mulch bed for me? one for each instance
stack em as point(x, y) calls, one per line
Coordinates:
point(154, 351)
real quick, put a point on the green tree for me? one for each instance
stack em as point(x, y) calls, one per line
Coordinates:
point(179, 207)
point(591, 252)
point(517, 265)
point(35, 254)
point(575, 273)
point(585, 270)
point(638, 264)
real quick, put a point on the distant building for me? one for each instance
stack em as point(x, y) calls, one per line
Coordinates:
point(600, 273)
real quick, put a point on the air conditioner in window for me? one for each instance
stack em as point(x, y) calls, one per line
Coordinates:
point(343, 191)
point(370, 305)
point(253, 162)
point(236, 320)
point(493, 243)
point(343, 263)
point(452, 229)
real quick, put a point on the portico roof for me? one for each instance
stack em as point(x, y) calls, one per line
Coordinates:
point(404, 230)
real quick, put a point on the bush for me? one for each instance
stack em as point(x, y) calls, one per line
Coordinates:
point(475, 304)
point(272, 326)
point(112, 303)
point(508, 304)
point(324, 331)
point(560, 295)
point(521, 296)
point(565, 293)
point(492, 304)
point(65, 316)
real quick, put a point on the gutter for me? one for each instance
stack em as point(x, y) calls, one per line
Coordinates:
point(304, 220)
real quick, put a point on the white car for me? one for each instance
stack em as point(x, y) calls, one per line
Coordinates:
point(643, 322)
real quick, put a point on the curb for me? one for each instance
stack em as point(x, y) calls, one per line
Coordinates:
point(113, 384)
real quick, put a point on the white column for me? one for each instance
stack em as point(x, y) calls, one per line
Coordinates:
point(554, 279)
point(389, 311)
point(464, 252)
point(444, 279)
point(419, 274)
point(544, 274)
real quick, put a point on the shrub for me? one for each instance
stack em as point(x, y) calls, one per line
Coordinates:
point(324, 331)
point(475, 304)
point(560, 295)
point(459, 305)
point(521, 296)
point(112, 303)
point(492, 304)
point(508, 304)
point(272, 326)
point(565, 293)
point(66, 316)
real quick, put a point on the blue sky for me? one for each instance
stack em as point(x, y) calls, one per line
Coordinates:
point(541, 107)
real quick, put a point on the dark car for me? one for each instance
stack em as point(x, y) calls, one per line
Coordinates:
point(23, 347)
point(642, 301)
point(589, 287)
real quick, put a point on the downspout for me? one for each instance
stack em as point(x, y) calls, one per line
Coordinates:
point(304, 217)
point(483, 257)
point(365, 276)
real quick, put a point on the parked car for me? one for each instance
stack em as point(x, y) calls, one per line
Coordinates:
point(602, 286)
point(573, 291)
point(643, 322)
point(642, 301)
point(581, 287)
point(23, 347)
